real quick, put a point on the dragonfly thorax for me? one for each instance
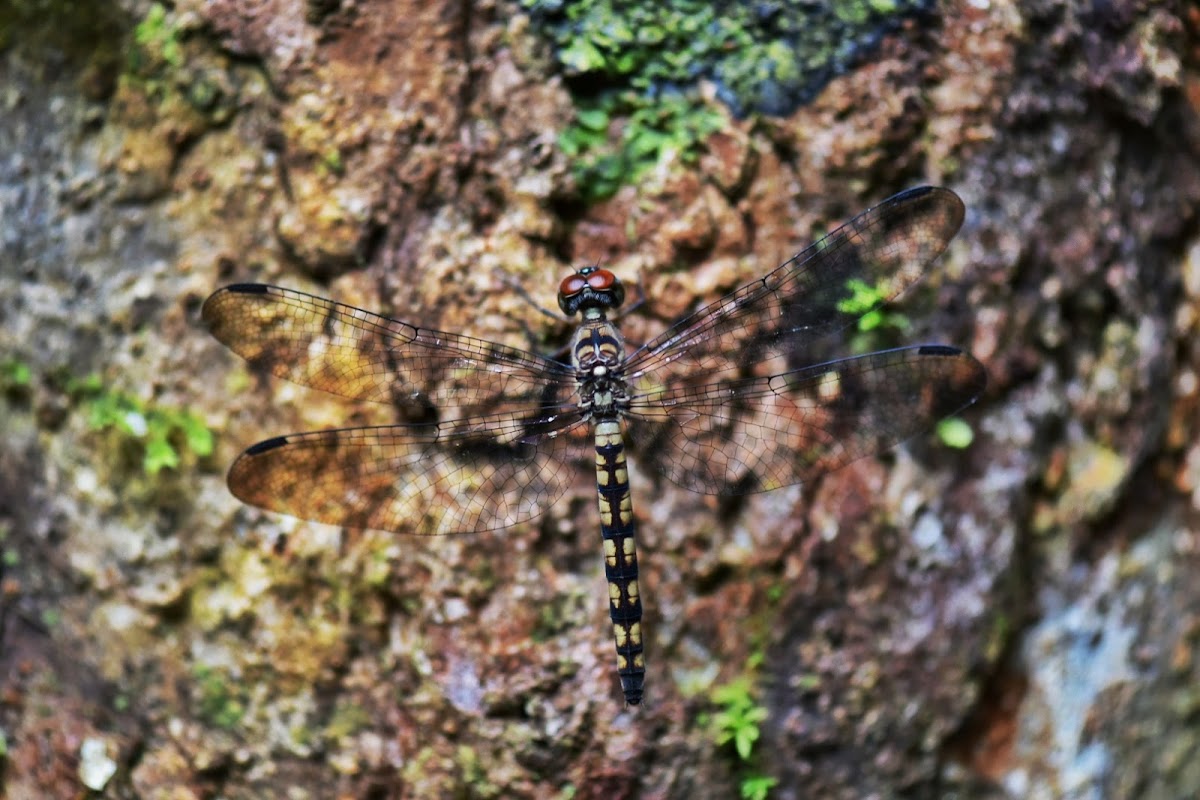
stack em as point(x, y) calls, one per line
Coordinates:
point(603, 397)
point(598, 355)
point(590, 288)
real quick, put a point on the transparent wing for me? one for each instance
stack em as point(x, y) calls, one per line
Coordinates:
point(458, 477)
point(350, 352)
point(754, 434)
point(867, 262)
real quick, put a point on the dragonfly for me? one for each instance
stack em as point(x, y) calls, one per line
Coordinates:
point(737, 397)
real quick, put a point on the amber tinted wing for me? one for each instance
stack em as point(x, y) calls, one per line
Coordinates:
point(867, 262)
point(347, 351)
point(756, 434)
point(458, 477)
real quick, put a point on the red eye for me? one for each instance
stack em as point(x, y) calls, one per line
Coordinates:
point(572, 285)
point(601, 279)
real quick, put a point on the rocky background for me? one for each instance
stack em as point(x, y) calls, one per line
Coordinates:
point(1018, 618)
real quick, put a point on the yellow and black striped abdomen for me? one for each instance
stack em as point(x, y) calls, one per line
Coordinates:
point(620, 557)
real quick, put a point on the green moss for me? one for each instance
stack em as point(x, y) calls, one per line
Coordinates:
point(635, 69)
point(347, 720)
point(219, 703)
point(171, 78)
point(561, 612)
point(163, 433)
point(770, 56)
point(331, 161)
point(617, 138)
point(475, 775)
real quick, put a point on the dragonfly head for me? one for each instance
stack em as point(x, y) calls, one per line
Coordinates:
point(590, 287)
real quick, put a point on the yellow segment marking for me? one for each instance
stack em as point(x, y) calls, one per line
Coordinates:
point(626, 510)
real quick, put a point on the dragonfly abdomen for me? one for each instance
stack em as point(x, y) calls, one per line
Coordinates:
point(620, 557)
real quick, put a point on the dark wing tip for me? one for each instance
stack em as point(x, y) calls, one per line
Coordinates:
point(209, 311)
point(915, 191)
point(950, 204)
point(246, 288)
point(264, 446)
point(969, 378)
point(941, 192)
point(214, 311)
point(938, 350)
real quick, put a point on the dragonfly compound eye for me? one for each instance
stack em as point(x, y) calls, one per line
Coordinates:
point(601, 279)
point(572, 285)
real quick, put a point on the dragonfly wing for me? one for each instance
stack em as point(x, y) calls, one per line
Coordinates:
point(867, 262)
point(351, 352)
point(748, 435)
point(458, 477)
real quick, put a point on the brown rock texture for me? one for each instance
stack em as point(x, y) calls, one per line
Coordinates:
point(1020, 618)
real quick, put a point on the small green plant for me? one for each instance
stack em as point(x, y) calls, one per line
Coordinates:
point(875, 322)
point(739, 718)
point(866, 302)
point(162, 432)
point(738, 721)
point(156, 39)
point(756, 787)
point(9, 557)
point(955, 432)
point(331, 161)
point(217, 701)
point(14, 374)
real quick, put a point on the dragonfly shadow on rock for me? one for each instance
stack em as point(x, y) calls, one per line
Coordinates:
point(728, 401)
